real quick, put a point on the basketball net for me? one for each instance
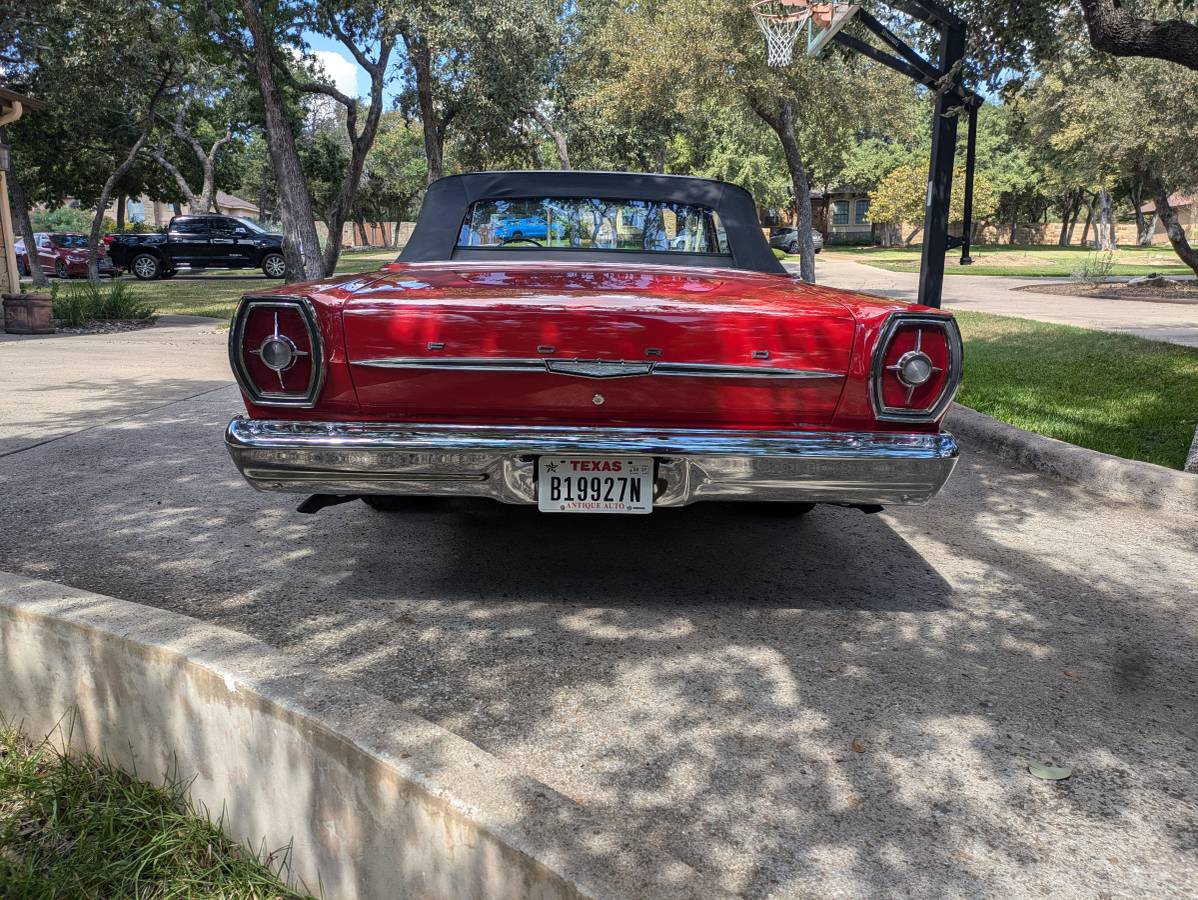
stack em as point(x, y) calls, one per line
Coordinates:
point(781, 21)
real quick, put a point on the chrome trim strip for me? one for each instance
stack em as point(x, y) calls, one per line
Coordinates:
point(237, 352)
point(455, 363)
point(952, 382)
point(587, 368)
point(715, 370)
point(499, 461)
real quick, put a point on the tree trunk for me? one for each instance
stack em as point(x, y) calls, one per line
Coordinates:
point(195, 205)
point(263, 192)
point(1069, 219)
point(1066, 213)
point(203, 201)
point(559, 137)
point(1065, 225)
point(1089, 221)
point(431, 125)
point(1136, 189)
point(1117, 30)
point(301, 246)
point(360, 142)
point(779, 115)
point(1150, 232)
point(93, 242)
point(19, 204)
point(120, 212)
point(208, 164)
point(1173, 228)
point(1106, 226)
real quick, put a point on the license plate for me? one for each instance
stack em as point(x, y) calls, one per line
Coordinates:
point(595, 484)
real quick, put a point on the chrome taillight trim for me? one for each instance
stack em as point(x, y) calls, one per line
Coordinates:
point(952, 380)
point(237, 360)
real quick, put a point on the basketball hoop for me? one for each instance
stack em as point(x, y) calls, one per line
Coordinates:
point(782, 21)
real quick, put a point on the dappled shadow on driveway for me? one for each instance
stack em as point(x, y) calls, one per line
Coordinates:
point(46, 412)
point(836, 703)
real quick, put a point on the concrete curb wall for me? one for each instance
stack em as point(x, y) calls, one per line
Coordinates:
point(1121, 480)
point(374, 801)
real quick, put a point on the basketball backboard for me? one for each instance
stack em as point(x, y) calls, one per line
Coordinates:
point(826, 21)
point(783, 21)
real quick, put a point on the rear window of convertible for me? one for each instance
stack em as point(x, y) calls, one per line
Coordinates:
point(589, 223)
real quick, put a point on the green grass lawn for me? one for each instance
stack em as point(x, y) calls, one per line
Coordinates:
point(76, 827)
point(1020, 262)
point(1110, 392)
point(216, 293)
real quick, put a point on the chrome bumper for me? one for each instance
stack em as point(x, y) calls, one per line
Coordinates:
point(499, 462)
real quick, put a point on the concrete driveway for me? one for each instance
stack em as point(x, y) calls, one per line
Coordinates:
point(1176, 323)
point(839, 706)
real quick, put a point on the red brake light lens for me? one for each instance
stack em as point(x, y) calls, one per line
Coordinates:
point(276, 352)
point(916, 367)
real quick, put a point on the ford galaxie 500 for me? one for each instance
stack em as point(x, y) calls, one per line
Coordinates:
point(645, 350)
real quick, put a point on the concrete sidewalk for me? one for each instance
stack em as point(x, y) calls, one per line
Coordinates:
point(1176, 323)
point(58, 384)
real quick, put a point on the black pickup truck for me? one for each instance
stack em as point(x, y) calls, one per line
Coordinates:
point(199, 242)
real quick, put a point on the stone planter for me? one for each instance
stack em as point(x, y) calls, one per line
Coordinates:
point(28, 314)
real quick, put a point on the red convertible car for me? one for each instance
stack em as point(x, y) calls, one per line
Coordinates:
point(647, 350)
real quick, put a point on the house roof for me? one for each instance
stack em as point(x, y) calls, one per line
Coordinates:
point(224, 201)
point(1176, 200)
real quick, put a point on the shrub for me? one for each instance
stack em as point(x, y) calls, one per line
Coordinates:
point(66, 218)
point(1094, 268)
point(91, 302)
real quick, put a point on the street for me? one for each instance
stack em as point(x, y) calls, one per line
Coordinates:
point(840, 705)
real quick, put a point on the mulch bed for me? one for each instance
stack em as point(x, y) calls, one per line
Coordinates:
point(1167, 292)
point(108, 326)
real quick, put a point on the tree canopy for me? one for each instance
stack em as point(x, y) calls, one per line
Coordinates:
point(1091, 105)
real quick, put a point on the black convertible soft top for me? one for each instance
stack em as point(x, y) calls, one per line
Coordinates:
point(448, 200)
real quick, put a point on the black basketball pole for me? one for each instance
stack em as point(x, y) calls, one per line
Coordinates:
point(940, 172)
point(944, 78)
point(970, 158)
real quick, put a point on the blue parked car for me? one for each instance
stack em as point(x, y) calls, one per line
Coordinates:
point(535, 227)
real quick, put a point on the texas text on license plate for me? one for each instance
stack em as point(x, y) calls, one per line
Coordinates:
point(595, 484)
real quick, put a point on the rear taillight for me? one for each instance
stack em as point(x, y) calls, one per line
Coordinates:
point(916, 367)
point(276, 352)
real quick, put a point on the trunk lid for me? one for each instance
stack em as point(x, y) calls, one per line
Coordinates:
point(599, 345)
